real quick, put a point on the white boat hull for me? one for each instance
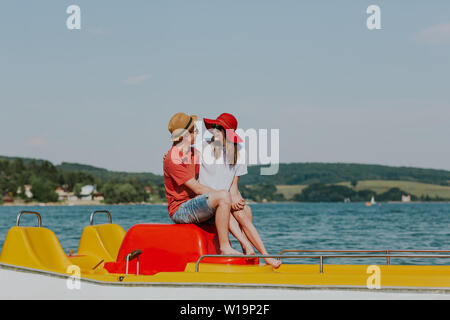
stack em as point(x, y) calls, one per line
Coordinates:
point(23, 283)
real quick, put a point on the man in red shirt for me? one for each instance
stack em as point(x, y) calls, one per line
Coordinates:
point(188, 200)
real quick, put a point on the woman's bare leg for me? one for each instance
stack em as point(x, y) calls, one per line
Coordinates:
point(221, 201)
point(240, 236)
point(244, 217)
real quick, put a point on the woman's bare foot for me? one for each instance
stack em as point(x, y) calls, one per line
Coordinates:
point(229, 251)
point(248, 249)
point(275, 263)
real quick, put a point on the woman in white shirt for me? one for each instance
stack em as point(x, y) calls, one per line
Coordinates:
point(220, 169)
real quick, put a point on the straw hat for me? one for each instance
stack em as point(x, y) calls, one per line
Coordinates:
point(179, 124)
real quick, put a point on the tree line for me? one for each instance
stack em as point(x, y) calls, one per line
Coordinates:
point(319, 192)
point(337, 193)
point(124, 187)
point(332, 173)
point(44, 179)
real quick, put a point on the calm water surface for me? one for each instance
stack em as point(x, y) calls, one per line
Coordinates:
point(282, 226)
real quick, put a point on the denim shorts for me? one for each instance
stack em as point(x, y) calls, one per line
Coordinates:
point(196, 210)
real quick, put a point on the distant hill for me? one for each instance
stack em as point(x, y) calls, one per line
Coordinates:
point(25, 160)
point(67, 166)
point(298, 174)
point(97, 172)
point(107, 175)
point(309, 173)
point(289, 173)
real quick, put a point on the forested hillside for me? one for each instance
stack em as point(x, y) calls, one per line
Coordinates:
point(310, 173)
point(107, 175)
point(322, 179)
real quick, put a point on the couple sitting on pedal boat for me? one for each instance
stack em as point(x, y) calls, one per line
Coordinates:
point(203, 188)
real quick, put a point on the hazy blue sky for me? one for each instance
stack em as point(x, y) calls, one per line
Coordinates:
point(337, 91)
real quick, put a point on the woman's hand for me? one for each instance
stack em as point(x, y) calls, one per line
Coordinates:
point(237, 202)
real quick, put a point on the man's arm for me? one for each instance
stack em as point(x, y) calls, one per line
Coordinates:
point(196, 187)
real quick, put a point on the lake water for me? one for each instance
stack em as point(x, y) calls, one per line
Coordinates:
point(334, 226)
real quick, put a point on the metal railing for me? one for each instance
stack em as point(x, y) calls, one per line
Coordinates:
point(131, 256)
point(247, 256)
point(322, 258)
point(91, 218)
point(29, 212)
point(387, 252)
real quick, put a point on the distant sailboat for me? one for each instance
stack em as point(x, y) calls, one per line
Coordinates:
point(372, 202)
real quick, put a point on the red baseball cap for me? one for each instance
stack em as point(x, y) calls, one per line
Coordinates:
point(228, 122)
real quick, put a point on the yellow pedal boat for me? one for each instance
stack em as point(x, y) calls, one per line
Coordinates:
point(158, 261)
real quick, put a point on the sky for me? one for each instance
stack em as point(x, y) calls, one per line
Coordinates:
point(336, 91)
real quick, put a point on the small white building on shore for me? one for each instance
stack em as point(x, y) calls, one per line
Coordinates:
point(87, 192)
point(406, 198)
point(28, 192)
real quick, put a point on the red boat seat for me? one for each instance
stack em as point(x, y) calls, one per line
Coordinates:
point(169, 247)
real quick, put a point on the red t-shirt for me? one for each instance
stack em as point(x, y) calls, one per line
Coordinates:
point(177, 171)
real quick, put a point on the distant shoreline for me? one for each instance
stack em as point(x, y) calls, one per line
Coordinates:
point(98, 203)
point(75, 204)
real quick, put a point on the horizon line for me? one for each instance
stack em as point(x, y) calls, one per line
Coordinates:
point(251, 165)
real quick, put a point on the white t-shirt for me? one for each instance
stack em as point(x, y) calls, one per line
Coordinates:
point(215, 173)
